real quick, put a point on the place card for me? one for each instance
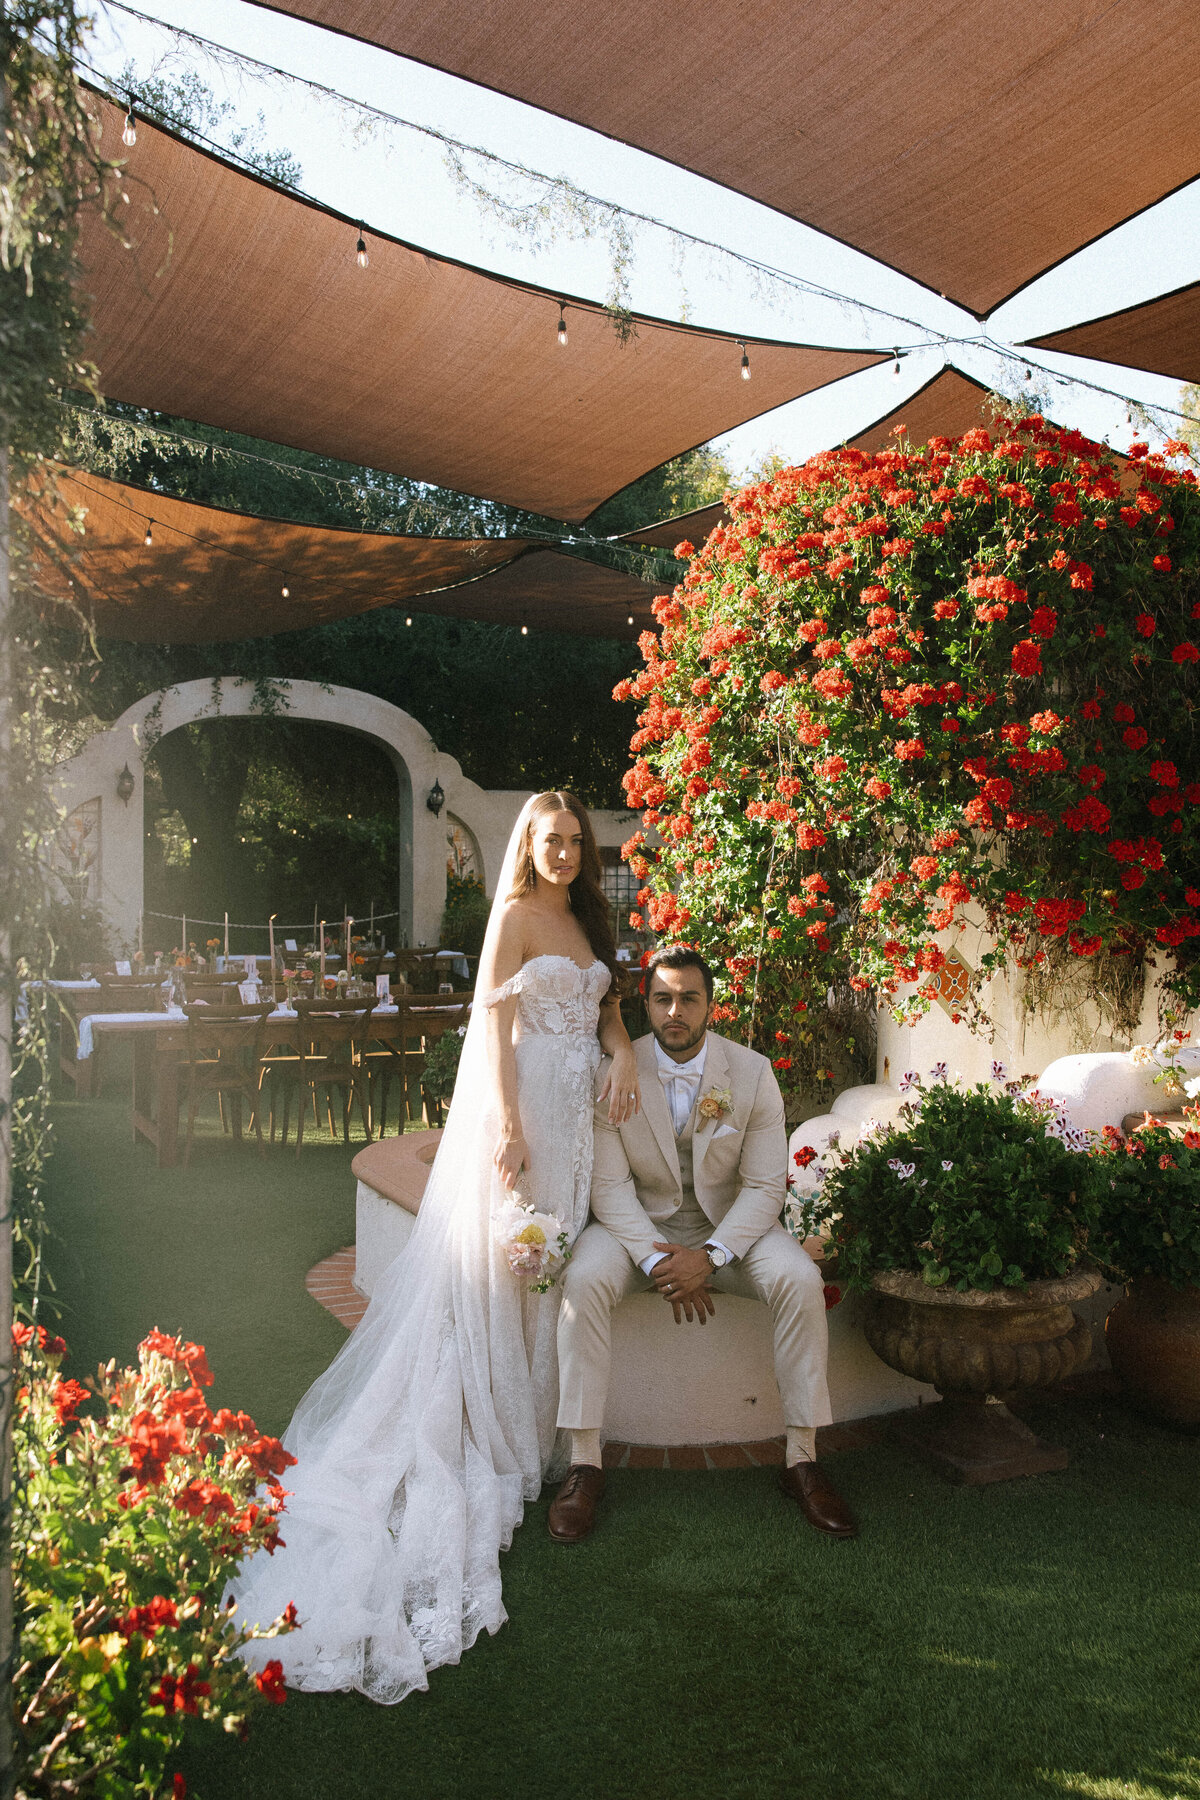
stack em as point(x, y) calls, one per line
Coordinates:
point(124, 968)
point(289, 945)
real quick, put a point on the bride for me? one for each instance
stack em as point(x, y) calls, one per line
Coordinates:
point(418, 1447)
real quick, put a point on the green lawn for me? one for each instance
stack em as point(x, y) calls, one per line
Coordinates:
point(1037, 1638)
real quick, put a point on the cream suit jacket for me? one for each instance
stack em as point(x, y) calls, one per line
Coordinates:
point(739, 1162)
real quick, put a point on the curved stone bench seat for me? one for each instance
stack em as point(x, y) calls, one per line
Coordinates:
point(671, 1384)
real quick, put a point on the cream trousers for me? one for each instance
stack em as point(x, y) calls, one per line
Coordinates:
point(775, 1269)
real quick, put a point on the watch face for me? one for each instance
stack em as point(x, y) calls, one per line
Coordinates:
point(716, 1256)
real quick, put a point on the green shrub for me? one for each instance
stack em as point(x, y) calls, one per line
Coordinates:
point(441, 1064)
point(465, 918)
point(977, 1187)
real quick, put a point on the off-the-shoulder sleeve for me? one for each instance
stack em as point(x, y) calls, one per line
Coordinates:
point(499, 995)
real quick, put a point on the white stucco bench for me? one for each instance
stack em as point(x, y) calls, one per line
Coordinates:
point(671, 1384)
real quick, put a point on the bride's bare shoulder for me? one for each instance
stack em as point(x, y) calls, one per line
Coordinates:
point(513, 933)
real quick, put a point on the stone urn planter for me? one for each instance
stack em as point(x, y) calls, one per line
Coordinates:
point(1153, 1339)
point(975, 1348)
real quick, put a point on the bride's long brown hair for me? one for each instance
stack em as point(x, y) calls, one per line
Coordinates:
point(585, 895)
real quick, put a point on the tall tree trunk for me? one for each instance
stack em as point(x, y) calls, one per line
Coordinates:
point(207, 789)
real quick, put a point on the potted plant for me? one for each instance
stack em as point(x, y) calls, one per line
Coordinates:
point(967, 1222)
point(1149, 1237)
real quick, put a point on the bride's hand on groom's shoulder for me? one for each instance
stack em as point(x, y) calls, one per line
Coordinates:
point(621, 1088)
point(511, 1156)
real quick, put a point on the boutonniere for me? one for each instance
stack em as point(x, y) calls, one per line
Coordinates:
point(716, 1103)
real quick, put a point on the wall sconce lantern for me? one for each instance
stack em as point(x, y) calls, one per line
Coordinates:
point(125, 785)
point(435, 799)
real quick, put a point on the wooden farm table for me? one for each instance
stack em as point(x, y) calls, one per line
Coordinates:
point(159, 1044)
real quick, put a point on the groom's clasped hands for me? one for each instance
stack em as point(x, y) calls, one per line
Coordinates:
point(682, 1278)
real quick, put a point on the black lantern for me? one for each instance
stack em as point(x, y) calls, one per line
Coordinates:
point(435, 799)
point(125, 785)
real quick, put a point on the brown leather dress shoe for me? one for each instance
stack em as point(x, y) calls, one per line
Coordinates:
point(573, 1508)
point(810, 1487)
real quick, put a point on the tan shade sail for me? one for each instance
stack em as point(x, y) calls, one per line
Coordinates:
point(970, 144)
point(244, 307)
point(1160, 335)
point(551, 590)
point(694, 526)
point(211, 576)
point(945, 407)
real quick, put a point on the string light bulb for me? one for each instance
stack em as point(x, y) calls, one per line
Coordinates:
point(562, 324)
point(149, 537)
point(524, 631)
point(745, 362)
point(895, 365)
point(360, 250)
point(629, 620)
point(286, 591)
point(408, 621)
point(129, 135)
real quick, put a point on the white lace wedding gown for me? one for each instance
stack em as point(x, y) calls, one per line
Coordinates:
point(423, 1439)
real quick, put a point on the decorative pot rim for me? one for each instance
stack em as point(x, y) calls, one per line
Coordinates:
point(1058, 1290)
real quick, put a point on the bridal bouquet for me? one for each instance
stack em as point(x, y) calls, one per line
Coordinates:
point(535, 1243)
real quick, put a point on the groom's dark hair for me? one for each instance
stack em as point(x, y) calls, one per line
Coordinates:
point(678, 956)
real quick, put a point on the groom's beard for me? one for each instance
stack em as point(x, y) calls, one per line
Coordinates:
point(675, 1044)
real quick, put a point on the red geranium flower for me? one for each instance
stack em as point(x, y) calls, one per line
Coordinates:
point(66, 1398)
point(181, 1694)
point(270, 1682)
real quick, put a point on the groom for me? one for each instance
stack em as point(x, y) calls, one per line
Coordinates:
point(686, 1197)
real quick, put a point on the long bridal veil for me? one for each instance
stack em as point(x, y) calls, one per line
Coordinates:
point(418, 1447)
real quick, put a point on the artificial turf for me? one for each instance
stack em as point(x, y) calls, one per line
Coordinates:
point(1035, 1638)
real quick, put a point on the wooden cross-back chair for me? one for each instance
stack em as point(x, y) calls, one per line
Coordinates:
point(400, 1058)
point(332, 1049)
point(224, 1052)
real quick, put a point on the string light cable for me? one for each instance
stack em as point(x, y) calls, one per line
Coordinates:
point(930, 338)
point(100, 85)
point(631, 553)
point(458, 147)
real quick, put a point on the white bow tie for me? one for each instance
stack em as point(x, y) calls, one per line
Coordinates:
point(689, 1077)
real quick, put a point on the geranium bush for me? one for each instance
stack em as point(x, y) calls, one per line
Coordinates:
point(1150, 1201)
point(134, 1506)
point(896, 687)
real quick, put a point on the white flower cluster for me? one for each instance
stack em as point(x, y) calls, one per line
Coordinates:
point(534, 1243)
point(1056, 1122)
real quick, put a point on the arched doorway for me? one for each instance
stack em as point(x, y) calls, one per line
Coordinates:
point(105, 782)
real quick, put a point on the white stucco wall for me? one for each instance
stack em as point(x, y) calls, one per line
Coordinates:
point(1026, 1042)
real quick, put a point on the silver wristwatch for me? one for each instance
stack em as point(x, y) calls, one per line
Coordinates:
point(717, 1257)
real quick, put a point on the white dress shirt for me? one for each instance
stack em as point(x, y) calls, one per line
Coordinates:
point(681, 1085)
